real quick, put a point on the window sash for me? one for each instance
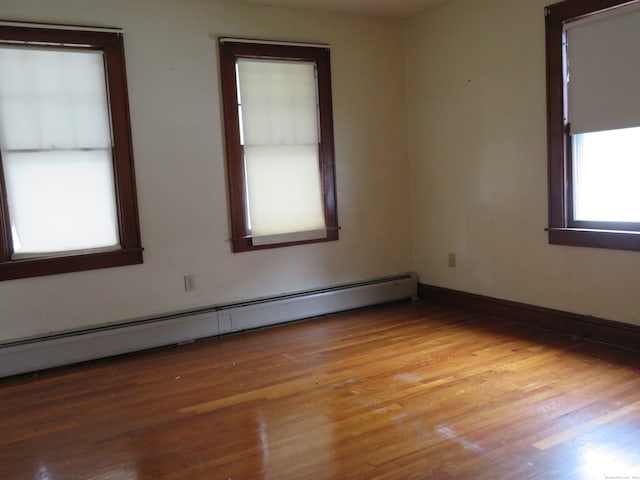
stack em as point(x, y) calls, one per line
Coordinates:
point(277, 102)
point(61, 201)
point(53, 98)
point(284, 192)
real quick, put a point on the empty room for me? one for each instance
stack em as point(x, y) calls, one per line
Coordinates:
point(305, 239)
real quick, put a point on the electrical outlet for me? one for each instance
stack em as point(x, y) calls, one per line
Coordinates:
point(452, 260)
point(189, 283)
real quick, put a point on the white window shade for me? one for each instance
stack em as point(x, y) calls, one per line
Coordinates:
point(283, 187)
point(278, 101)
point(604, 71)
point(61, 201)
point(279, 128)
point(52, 99)
point(56, 150)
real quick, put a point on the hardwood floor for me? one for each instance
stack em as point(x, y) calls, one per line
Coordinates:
point(406, 391)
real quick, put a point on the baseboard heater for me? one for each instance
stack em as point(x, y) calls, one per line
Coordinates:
point(65, 348)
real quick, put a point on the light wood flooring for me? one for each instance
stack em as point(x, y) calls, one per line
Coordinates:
point(405, 391)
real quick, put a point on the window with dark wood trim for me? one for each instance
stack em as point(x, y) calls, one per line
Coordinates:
point(235, 57)
point(126, 248)
point(565, 228)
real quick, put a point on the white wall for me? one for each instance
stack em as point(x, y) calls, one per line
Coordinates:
point(475, 84)
point(477, 142)
point(171, 55)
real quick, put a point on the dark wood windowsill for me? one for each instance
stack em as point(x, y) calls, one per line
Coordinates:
point(244, 244)
point(36, 267)
point(582, 237)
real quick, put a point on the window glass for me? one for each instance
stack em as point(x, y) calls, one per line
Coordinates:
point(56, 149)
point(279, 133)
point(606, 175)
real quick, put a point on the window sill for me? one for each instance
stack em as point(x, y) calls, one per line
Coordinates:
point(581, 237)
point(245, 244)
point(36, 267)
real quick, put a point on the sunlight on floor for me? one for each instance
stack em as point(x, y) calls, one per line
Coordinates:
point(598, 462)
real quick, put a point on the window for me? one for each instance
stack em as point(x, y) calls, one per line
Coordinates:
point(67, 188)
point(279, 142)
point(593, 96)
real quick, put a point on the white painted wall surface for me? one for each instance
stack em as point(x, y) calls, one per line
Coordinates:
point(172, 68)
point(477, 142)
point(475, 90)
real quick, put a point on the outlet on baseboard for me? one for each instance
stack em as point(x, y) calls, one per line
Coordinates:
point(452, 260)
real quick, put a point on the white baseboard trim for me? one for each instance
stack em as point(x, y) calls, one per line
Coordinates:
point(66, 348)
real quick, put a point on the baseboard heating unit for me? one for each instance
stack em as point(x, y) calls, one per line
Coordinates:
point(33, 354)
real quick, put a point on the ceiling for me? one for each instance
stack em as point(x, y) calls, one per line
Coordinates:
point(384, 8)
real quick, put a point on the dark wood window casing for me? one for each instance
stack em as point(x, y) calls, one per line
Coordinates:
point(230, 52)
point(563, 229)
point(130, 251)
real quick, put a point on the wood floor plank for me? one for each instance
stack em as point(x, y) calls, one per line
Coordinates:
point(598, 421)
point(407, 391)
